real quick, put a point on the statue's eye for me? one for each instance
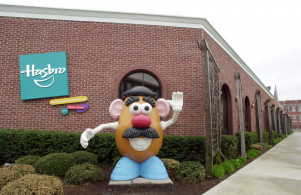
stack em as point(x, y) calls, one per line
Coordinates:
point(146, 108)
point(135, 108)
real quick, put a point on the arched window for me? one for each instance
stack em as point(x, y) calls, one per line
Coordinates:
point(140, 78)
point(226, 110)
point(247, 114)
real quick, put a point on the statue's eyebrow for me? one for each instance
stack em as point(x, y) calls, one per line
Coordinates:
point(131, 100)
point(150, 100)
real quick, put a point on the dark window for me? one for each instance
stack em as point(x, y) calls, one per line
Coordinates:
point(140, 79)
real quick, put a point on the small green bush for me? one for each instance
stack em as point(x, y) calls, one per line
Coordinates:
point(34, 184)
point(78, 174)
point(252, 153)
point(228, 167)
point(236, 163)
point(242, 159)
point(28, 160)
point(218, 171)
point(83, 156)
point(190, 171)
point(170, 164)
point(55, 164)
point(277, 140)
point(229, 146)
point(11, 173)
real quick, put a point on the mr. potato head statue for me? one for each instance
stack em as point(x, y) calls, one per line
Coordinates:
point(139, 132)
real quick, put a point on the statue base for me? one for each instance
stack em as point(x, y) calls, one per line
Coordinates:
point(140, 181)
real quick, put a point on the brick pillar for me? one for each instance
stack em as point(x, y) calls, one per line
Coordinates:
point(240, 115)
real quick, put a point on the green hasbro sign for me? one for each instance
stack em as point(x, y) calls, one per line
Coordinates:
point(43, 75)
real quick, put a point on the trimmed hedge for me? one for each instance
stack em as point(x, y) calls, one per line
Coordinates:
point(189, 148)
point(18, 143)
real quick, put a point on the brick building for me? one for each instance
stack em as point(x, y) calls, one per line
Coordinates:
point(293, 109)
point(108, 53)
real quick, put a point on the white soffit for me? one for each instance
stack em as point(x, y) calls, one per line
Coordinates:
point(128, 18)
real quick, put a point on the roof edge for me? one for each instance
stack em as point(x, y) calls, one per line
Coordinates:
point(128, 18)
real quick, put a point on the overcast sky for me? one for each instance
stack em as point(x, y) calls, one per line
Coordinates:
point(266, 34)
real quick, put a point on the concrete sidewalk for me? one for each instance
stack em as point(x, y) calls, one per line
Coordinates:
point(278, 171)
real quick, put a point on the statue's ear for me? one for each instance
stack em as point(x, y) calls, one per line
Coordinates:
point(163, 107)
point(115, 108)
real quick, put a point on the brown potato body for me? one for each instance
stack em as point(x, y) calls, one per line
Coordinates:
point(123, 144)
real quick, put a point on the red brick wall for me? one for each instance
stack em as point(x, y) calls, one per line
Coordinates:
point(98, 54)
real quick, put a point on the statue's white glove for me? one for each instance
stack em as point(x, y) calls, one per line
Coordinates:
point(177, 101)
point(85, 137)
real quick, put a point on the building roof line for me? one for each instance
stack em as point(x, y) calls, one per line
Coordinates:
point(129, 18)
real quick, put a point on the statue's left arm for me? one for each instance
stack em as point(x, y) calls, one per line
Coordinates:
point(176, 103)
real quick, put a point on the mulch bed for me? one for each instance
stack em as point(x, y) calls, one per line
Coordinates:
point(179, 187)
point(102, 187)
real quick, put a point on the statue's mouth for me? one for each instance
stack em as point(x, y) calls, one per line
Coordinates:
point(140, 144)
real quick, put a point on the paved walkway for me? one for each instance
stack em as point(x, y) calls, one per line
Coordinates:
point(278, 171)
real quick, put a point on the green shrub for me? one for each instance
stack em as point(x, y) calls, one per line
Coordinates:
point(236, 163)
point(34, 184)
point(229, 146)
point(83, 156)
point(218, 171)
point(252, 153)
point(116, 159)
point(277, 140)
point(170, 164)
point(242, 159)
point(190, 171)
point(78, 174)
point(55, 164)
point(29, 160)
point(250, 138)
point(11, 173)
point(265, 137)
point(195, 149)
point(228, 167)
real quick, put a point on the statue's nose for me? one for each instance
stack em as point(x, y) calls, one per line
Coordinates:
point(141, 121)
